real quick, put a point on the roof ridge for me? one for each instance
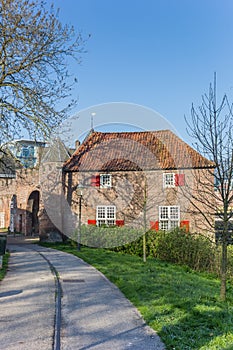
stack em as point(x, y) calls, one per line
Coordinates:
point(131, 132)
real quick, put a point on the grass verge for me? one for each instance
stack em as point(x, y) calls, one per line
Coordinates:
point(4, 266)
point(181, 305)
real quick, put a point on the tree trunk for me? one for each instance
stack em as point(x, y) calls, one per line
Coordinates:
point(144, 247)
point(223, 269)
point(144, 222)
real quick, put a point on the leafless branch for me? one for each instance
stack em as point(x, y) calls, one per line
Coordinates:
point(34, 79)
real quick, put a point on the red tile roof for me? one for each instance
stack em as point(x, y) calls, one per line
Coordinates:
point(146, 150)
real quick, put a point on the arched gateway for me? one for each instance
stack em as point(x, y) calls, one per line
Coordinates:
point(32, 222)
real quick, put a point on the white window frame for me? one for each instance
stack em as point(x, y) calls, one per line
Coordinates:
point(106, 215)
point(169, 217)
point(168, 180)
point(105, 180)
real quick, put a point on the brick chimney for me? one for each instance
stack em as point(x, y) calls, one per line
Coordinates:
point(77, 144)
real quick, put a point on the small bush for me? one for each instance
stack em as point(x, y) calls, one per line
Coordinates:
point(136, 246)
point(195, 251)
point(230, 260)
point(3, 270)
point(107, 237)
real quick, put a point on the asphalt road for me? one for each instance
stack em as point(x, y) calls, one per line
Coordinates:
point(94, 313)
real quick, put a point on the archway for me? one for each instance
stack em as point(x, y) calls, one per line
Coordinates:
point(32, 221)
point(13, 208)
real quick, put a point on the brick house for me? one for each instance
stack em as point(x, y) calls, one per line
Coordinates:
point(149, 179)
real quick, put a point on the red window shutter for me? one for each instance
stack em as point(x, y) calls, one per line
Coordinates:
point(185, 224)
point(95, 181)
point(154, 225)
point(179, 179)
point(120, 222)
point(91, 222)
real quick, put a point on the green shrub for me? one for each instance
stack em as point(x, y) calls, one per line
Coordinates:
point(230, 260)
point(177, 246)
point(107, 237)
point(195, 251)
point(136, 246)
point(3, 270)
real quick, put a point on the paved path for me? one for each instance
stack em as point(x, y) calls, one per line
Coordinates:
point(95, 314)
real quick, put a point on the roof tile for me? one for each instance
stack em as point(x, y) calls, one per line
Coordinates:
point(144, 150)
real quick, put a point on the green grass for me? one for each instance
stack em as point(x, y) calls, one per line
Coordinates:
point(3, 270)
point(182, 306)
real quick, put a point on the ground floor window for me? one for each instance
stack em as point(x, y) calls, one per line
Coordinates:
point(169, 217)
point(106, 215)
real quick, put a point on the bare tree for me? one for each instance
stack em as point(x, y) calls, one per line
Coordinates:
point(34, 78)
point(211, 128)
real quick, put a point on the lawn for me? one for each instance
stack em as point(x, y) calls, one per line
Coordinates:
point(182, 306)
point(3, 270)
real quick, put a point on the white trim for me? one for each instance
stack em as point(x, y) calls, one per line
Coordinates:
point(105, 180)
point(106, 215)
point(7, 176)
point(169, 217)
point(166, 182)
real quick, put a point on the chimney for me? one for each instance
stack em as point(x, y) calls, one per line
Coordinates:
point(77, 144)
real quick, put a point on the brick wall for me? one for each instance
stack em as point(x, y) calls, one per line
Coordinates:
point(27, 190)
point(130, 191)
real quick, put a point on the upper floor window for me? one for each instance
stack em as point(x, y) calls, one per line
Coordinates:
point(172, 180)
point(105, 180)
point(102, 180)
point(168, 180)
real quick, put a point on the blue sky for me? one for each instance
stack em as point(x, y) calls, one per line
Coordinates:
point(161, 54)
